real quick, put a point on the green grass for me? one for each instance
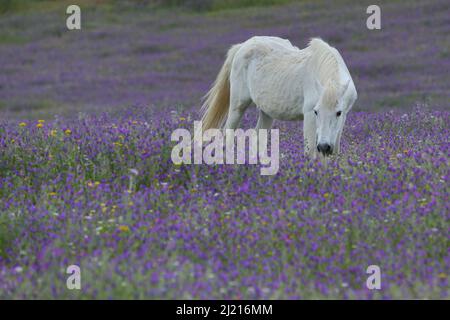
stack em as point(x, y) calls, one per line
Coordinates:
point(13, 6)
point(9, 229)
point(218, 5)
point(12, 39)
point(18, 6)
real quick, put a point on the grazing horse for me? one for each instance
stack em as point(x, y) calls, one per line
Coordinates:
point(284, 83)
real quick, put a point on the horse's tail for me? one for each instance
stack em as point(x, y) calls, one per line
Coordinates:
point(217, 100)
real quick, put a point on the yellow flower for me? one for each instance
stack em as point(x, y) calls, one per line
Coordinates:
point(442, 275)
point(12, 140)
point(134, 122)
point(92, 185)
point(22, 124)
point(124, 228)
point(39, 125)
point(326, 195)
point(41, 121)
point(117, 144)
point(68, 132)
point(53, 132)
point(52, 194)
point(182, 118)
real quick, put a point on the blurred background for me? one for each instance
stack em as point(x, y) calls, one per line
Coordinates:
point(166, 53)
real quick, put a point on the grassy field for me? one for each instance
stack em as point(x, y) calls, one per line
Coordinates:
point(14, 6)
point(167, 58)
point(86, 176)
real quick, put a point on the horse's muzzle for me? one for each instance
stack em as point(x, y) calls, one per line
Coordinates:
point(325, 149)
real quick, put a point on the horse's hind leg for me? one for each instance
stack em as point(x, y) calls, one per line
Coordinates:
point(239, 101)
point(234, 117)
point(264, 121)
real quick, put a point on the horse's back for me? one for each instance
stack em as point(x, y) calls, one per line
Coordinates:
point(273, 42)
point(263, 68)
point(265, 51)
point(268, 44)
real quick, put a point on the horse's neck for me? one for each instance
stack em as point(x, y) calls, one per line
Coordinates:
point(309, 79)
point(299, 77)
point(296, 66)
point(311, 91)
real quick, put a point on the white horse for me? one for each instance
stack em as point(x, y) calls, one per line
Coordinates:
point(284, 83)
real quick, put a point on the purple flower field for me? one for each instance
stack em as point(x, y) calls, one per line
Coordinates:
point(86, 176)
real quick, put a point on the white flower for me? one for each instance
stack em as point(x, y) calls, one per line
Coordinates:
point(134, 172)
point(18, 269)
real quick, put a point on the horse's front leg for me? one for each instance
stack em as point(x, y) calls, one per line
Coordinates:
point(309, 134)
point(337, 147)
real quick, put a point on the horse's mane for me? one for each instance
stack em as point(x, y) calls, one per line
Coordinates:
point(324, 65)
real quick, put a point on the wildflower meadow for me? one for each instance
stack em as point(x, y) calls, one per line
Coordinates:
point(86, 176)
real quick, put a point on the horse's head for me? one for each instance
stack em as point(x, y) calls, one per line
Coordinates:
point(331, 112)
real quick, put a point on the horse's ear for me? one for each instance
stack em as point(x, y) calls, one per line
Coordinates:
point(345, 87)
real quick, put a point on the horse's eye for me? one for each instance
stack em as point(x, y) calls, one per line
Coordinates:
point(315, 112)
point(338, 114)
